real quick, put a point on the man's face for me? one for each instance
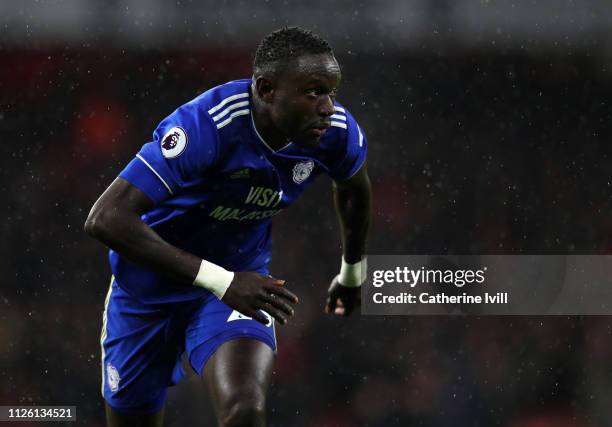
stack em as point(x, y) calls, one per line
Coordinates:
point(303, 98)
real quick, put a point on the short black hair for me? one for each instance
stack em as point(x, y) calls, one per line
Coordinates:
point(284, 45)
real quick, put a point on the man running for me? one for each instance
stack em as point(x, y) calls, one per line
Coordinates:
point(188, 223)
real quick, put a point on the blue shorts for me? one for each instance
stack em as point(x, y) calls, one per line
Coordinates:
point(142, 345)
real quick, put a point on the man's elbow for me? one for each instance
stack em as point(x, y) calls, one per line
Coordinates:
point(90, 226)
point(95, 225)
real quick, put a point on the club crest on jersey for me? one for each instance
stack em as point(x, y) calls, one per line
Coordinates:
point(113, 377)
point(174, 142)
point(301, 171)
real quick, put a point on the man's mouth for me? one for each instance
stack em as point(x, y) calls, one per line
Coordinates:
point(322, 125)
point(319, 129)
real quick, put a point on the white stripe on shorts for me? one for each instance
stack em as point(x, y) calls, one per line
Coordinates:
point(103, 333)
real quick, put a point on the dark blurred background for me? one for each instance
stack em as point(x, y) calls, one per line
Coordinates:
point(489, 132)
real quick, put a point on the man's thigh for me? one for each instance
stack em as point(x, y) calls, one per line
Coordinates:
point(214, 324)
point(238, 375)
point(234, 354)
point(141, 350)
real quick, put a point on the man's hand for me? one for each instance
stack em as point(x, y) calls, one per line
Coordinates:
point(342, 300)
point(250, 292)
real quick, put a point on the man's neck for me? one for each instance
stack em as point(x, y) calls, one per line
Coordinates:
point(271, 136)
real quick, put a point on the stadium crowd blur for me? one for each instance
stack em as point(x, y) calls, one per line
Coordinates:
point(489, 152)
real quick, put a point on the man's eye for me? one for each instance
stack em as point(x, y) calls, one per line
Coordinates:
point(320, 91)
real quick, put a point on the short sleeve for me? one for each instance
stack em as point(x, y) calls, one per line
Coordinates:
point(184, 146)
point(351, 149)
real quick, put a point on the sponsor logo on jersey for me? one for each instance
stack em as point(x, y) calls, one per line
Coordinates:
point(302, 170)
point(236, 315)
point(257, 196)
point(222, 213)
point(112, 377)
point(264, 197)
point(174, 142)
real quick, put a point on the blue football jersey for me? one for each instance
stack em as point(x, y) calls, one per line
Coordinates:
point(216, 185)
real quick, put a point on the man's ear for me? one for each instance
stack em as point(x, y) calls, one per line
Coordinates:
point(264, 88)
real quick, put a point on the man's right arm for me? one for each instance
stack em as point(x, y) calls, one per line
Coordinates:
point(115, 221)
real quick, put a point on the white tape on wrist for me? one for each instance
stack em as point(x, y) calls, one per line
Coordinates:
point(214, 278)
point(353, 275)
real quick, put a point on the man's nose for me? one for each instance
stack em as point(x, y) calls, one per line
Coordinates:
point(326, 107)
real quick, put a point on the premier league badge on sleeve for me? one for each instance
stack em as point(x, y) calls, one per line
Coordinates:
point(174, 142)
point(301, 171)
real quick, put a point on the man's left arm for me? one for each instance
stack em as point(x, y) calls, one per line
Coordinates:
point(352, 200)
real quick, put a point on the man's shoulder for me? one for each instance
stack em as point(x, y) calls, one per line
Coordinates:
point(219, 104)
point(214, 99)
point(217, 97)
point(342, 123)
point(340, 116)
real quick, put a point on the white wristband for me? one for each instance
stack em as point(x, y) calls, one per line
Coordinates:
point(214, 278)
point(353, 275)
